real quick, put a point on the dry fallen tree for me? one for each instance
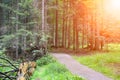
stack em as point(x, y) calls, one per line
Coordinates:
point(26, 70)
point(21, 72)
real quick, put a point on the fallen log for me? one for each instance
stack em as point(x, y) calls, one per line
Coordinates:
point(26, 70)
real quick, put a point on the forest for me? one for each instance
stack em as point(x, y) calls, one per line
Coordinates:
point(33, 32)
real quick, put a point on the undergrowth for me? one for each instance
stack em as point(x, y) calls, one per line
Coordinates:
point(49, 69)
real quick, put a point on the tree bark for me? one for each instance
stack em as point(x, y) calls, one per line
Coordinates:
point(56, 30)
point(63, 26)
point(74, 33)
point(43, 15)
point(17, 39)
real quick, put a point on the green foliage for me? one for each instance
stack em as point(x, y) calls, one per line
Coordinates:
point(58, 68)
point(23, 25)
point(20, 13)
point(102, 62)
point(2, 53)
point(8, 39)
point(49, 69)
point(56, 71)
point(44, 37)
point(47, 59)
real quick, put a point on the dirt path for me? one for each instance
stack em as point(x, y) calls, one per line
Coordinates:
point(79, 69)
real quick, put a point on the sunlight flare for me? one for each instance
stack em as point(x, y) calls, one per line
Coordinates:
point(113, 6)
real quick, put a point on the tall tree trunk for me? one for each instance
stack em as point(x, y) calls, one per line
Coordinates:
point(56, 30)
point(77, 37)
point(69, 32)
point(102, 22)
point(63, 26)
point(46, 24)
point(63, 32)
point(97, 34)
point(74, 32)
point(83, 31)
point(17, 39)
point(43, 15)
point(69, 23)
point(1, 14)
point(92, 33)
point(73, 23)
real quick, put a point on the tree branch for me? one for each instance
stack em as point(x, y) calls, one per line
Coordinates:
point(9, 62)
point(6, 76)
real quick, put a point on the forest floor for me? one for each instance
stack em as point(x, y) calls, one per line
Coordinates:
point(80, 52)
point(79, 69)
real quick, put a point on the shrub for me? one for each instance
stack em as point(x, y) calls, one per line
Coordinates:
point(45, 60)
point(56, 67)
point(49, 69)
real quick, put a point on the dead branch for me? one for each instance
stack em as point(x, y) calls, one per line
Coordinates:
point(6, 76)
point(9, 62)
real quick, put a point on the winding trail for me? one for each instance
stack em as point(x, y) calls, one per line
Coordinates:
point(79, 69)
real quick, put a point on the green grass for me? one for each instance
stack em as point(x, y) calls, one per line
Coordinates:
point(50, 69)
point(114, 47)
point(107, 63)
